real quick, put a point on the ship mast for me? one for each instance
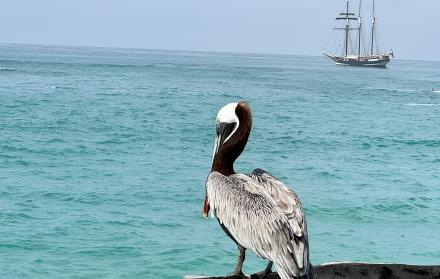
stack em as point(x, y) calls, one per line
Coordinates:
point(347, 16)
point(347, 26)
point(360, 29)
point(373, 27)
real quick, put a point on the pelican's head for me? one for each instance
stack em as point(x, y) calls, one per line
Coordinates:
point(233, 125)
point(227, 123)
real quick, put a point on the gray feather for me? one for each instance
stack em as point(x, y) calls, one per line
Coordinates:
point(262, 215)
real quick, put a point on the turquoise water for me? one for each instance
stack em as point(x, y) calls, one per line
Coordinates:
point(104, 153)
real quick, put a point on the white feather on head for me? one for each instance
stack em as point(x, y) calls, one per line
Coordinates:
point(227, 115)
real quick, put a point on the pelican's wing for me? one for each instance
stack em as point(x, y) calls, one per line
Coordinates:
point(288, 202)
point(253, 219)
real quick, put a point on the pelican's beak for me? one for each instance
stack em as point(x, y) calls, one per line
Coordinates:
point(224, 131)
point(216, 147)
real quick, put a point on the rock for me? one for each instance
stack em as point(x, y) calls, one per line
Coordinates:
point(356, 271)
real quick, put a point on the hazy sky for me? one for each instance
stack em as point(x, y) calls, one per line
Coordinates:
point(411, 28)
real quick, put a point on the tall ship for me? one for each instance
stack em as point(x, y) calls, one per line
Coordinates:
point(353, 51)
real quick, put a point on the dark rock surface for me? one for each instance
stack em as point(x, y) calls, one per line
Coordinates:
point(358, 271)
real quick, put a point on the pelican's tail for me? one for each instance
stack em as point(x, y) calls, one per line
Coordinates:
point(310, 274)
point(283, 274)
point(287, 275)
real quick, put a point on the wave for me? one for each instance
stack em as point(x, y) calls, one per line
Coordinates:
point(422, 104)
point(7, 69)
point(403, 89)
point(384, 142)
point(76, 64)
point(427, 142)
point(63, 87)
point(391, 89)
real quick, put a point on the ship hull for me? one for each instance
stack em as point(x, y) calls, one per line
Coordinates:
point(369, 62)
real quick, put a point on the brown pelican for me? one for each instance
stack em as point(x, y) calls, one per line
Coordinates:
point(257, 211)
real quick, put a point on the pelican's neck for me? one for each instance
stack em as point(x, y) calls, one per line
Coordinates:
point(223, 163)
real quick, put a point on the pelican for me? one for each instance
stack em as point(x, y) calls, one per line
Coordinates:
point(256, 210)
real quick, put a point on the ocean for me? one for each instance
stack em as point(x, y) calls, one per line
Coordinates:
point(104, 153)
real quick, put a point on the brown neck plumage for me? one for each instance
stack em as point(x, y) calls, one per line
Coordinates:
point(229, 152)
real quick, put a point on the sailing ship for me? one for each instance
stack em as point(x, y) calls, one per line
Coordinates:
point(352, 55)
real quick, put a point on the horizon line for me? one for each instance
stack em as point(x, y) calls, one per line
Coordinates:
point(186, 50)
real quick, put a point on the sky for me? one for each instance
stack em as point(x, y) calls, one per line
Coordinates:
point(409, 27)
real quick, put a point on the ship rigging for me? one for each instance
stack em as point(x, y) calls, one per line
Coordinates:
point(351, 54)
